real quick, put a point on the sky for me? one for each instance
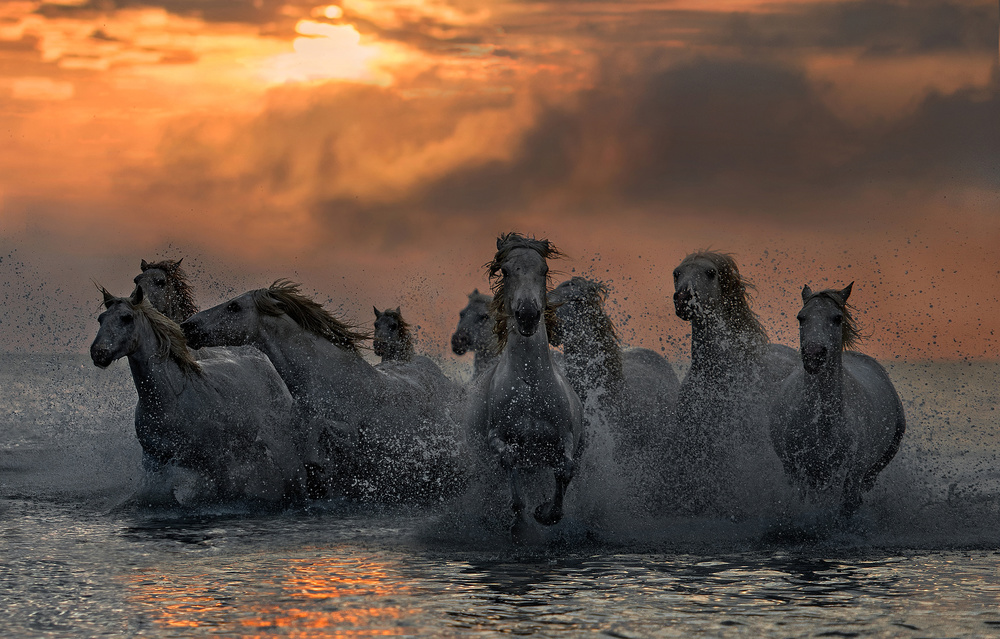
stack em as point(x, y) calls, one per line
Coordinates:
point(373, 150)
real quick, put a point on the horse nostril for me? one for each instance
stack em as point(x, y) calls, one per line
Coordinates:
point(682, 295)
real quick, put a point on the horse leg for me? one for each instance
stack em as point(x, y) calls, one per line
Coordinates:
point(521, 530)
point(551, 512)
point(851, 498)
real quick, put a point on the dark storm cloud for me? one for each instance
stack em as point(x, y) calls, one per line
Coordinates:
point(876, 26)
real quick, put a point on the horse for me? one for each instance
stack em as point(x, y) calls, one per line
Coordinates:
point(475, 333)
point(165, 285)
point(381, 433)
point(722, 453)
point(392, 339)
point(837, 420)
point(634, 390)
point(229, 421)
point(523, 413)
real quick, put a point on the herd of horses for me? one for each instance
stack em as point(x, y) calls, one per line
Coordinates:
point(268, 399)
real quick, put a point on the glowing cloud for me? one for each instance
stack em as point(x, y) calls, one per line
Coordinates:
point(325, 52)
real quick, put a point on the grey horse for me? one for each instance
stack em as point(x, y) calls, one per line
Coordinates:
point(229, 421)
point(837, 420)
point(524, 414)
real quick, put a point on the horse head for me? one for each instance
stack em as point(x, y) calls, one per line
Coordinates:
point(232, 323)
point(826, 327)
point(519, 273)
point(166, 287)
point(392, 338)
point(475, 330)
point(579, 304)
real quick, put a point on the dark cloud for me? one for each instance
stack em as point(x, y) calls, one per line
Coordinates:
point(877, 26)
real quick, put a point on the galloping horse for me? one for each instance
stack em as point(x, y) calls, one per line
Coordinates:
point(837, 420)
point(523, 411)
point(392, 339)
point(380, 433)
point(475, 333)
point(722, 443)
point(634, 390)
point(228, 420)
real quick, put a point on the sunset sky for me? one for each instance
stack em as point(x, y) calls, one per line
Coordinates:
point(373, 150)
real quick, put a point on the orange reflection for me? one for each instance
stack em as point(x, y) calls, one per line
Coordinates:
point(299, 595)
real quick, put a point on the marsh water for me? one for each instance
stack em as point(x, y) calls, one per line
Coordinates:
point(921, 559)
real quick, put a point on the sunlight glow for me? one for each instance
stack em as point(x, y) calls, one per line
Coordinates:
point(325, 52)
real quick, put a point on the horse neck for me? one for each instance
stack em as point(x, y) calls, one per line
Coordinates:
point(528, 357)
point(311, 365)
point(719, 347)
point(593, 356)
point(158, 379)
point(824, 389)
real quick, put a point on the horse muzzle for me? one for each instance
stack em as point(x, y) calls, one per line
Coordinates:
point(101, 357)
point(460, 343)
point(527, 317)
point(195, 338)
point(684, 304)
point(813, 358)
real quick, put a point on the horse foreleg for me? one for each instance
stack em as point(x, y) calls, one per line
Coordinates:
point(521, 530)
point(551, 512)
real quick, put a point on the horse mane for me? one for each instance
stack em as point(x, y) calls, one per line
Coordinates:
point(405, 335)
point(850, 332)
point(600, 327)
point(285, 297)
point(506, 243)
point(186, 306)
point(736, 311)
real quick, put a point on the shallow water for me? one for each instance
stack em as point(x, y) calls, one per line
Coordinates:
point(921, 560)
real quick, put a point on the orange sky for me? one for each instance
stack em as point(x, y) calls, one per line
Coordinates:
point(374, 149)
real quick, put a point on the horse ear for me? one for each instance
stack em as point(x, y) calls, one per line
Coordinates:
point(136, 296)
point(377, 313)
point(143, 265)
point(108, 297)
point(475, 291)
point(806, 293)
point(499, 243)
point(846, 292)
point(397, 311)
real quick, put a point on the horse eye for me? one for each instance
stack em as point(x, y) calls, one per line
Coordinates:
point(677, 275)
point(801, 318)
point(126, 319)
point(710, 273)
point(838, 320)
point(233, 307)
point(160, 282)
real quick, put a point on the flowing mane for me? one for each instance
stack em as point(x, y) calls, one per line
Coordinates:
point(186, 306)
point(170, 340)
point(284, 296)
point(735, 290)
point(507, 243)
point(850, 331)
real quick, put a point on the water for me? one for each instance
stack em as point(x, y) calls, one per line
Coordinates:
point(920, 561)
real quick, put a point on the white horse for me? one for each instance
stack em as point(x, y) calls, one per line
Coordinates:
point(379, 433)
point(837, 420)
point(227, 420)
point(634, 390)
point(523, 411)
point(723, 456)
